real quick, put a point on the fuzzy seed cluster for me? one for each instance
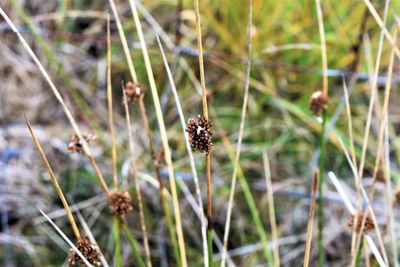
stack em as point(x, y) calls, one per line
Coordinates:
point(199, 131)
point(318, 103)
point(89, 251)
point(76, 145)
point(134, 91)
point(120, 203)
point(368, 226)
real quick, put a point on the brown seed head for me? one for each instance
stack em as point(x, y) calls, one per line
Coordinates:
point(380, 176)
point(318, 103)
point(76, 145)
point(199, 131)
point(134, 91)
point(368, 226)
point(90, 252)
point(120, 203)
point(397, 197)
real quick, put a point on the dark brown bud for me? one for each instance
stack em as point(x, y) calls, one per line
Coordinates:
point(368, 226)
point(76, 145)
point(199, 131)
point(397, 197)
point(89, 251)
point(380, 176)
point(318, 103)
point(134, 91)
point(120, 203)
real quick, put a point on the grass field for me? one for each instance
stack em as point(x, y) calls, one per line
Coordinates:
point(279, 186)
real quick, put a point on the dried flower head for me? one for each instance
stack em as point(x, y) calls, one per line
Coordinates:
point(89, 251)
point(368, 226)
point(380, 176)
point(199, 131)
point(318, 103)
point(134, 91)
point(76, 145)
point(397, 197)
point(120, 203)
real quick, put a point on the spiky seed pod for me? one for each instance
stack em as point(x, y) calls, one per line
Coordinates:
point(76, 145)
point(90, 252)
point(318, 103)
point(134, 91)
point(368, 226)
point(120, 203)
point(199, 131)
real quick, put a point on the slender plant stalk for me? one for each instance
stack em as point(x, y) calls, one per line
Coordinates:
point(321, 163)
point(67, 111)
point(378, 156)
point(239, 143)
point(381, 24)
point(271, 208)
point(191, 158)
point(135, 180)
point(117, 236)
point(247, 194)
point(133, 244)
point(110, 108)
point(117, 224)
point(311, 220)
point(354, 160)
point(163, 132)
point(54, 180)
point(128, 55)
point(205, 115)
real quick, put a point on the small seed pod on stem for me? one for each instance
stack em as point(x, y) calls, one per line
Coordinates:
point(199, 131)
point(89, 251)
point(134, 91)
point(358, 218)
point(120, 203)
point(318, 103)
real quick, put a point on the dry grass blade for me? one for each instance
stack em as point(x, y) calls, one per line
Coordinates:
point(163, 132)
point(110, 108)
point(323, 48)
point(66, 239)
point(136, 182)
point(91, 237)
point(189, 150)
point(311, 220)
point(59, 98)
point(240, 138)
point(54, 180)
point(123, 41)
point(271, 208)
point(381, 24)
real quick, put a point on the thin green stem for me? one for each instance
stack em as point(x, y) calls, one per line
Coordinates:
point(133, 244)
point(117, 237)
point(359, 253)
point(210, 246)
point(171, 229)
point(321, 164)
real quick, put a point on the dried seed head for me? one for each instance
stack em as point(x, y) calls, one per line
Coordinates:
point(397, 197)
point(90, 252)
point(120, 203)
point(199, 131)
point(159, 160)
point(368, 226)
point(134, 91)
point(380, 176)
point(318, 103)
point(76, 145)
